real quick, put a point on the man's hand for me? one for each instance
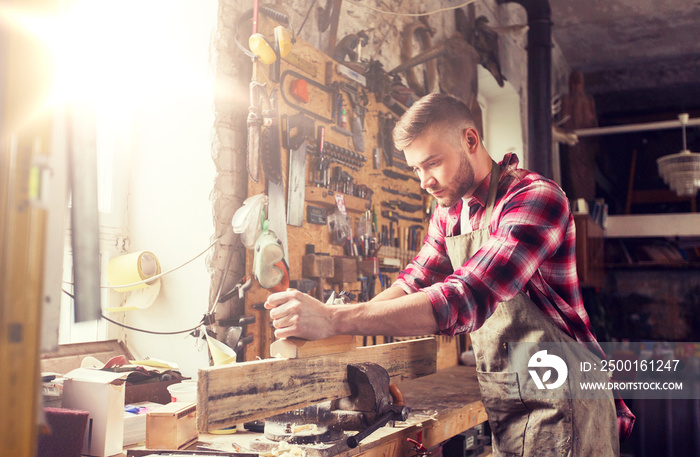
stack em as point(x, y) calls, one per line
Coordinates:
point(296, 314)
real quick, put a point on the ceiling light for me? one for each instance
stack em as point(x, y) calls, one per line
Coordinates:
point(681, 171)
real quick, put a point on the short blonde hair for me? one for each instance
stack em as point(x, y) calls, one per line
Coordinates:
point(433, 110)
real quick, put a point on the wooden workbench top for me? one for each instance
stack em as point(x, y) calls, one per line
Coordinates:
point(443, 405)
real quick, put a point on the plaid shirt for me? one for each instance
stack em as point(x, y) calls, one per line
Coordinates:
point(532, 248)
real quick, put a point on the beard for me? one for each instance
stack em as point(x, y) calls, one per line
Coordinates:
point(459, 186)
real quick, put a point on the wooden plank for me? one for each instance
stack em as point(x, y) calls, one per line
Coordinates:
point(448, 352)
point(295, 348)
point(255, 390)
point(442, 405)
point(69, 356)
point(25, 145)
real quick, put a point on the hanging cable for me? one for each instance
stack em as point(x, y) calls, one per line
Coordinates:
point(393, 13)
point(154, 277)
point(305, 18)
point(152, 332)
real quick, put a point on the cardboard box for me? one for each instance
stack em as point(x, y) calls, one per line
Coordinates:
point(135, 422)
point(172, 426)
point(101, 393)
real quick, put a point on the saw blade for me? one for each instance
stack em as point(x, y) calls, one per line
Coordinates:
point(272, 154)
point(296, 187)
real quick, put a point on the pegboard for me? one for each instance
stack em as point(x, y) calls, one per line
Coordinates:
point(398, 196)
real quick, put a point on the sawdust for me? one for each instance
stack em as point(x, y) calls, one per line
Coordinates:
point(287, 450)
point(419, 418)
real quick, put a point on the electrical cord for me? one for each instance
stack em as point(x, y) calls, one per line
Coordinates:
point(393, 13)
point(152, 332)
point(204, 319)
point(154, 277)
point(305, 18)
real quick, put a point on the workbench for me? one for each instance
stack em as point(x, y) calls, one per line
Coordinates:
point(443, 405)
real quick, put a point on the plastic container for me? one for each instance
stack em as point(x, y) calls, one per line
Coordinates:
point(183, 391)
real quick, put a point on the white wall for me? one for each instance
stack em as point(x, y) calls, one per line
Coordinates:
point(172, 173)
point(502, 118)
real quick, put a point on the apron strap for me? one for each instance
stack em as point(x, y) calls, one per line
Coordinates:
point(493, 187)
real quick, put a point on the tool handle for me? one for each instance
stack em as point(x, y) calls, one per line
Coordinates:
point(354, 440)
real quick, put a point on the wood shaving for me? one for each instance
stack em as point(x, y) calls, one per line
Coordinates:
point(306, 429)
point(417, 418)
point(288, 450)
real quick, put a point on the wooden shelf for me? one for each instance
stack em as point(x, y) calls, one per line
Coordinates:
point(653, 225)
point(653, 265)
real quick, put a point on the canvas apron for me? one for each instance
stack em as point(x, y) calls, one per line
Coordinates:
point(566, 427)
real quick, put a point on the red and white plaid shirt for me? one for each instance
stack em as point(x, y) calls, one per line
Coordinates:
point(532, 248)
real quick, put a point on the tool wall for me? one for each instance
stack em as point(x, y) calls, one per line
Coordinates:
point(347, 209)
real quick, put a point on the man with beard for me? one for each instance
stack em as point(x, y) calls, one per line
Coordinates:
point(498, 262)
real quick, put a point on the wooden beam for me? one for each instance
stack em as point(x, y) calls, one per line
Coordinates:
point(248, 391)
point(296, 348)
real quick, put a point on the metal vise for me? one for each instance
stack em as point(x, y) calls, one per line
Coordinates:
point(369, 407)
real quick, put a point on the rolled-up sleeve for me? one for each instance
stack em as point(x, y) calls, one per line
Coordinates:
point(531, 224)
point(431, 264)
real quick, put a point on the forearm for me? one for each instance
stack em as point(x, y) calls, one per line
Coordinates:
point(388, 294)
point(405, 315)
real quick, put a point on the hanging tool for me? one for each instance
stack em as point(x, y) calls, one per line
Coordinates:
point(282, 46)
point(300, 90)
point(296, 186)
point(329, 16)
point(396, 175)
point(394, 216)
point(384, 137)
point(266, 53)
point(321, 174)
point(309, 82)
point(270, 143)
point(260, 48)
point(401, 205)
point(350, 46)
point(272, 162)
point(269, 267)
point(234, 335)
point(358, 103)
point(411, 195)
point(343, 156)
point(256, 119)
point(297, 128)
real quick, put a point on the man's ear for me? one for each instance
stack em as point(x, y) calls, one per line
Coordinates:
point(470, 138)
